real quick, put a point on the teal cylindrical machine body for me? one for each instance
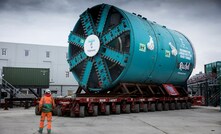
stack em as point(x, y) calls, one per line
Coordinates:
point(109, 46)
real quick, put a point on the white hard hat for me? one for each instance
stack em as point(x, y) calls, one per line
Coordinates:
point(48, 91)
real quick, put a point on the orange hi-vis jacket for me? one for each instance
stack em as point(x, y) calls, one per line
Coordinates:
point(46, 103)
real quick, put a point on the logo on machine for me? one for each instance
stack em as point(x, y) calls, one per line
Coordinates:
point(184, 66)
point(91, 45)
point(173, 49)
point(150, 44)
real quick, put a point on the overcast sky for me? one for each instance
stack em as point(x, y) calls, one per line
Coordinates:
point(49, 22)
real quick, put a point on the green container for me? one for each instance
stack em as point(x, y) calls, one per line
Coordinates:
point(218, 68)
point(214, 67)
point(208, 68)
point(27, 77)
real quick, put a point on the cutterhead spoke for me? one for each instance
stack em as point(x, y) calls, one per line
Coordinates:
point(103, 17)
point(86, 74)
point(87, 23)
point(102, 72)
point(77, 59)
point(115, 56)
point(115, 32)
point(76, 40)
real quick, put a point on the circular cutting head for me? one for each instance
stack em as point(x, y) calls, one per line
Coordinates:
point(99, 47)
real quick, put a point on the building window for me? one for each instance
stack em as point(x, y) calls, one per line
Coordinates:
point(26, 52)
point(54, 92)
point(67, 74)
point(47, 54)
point(4, 51)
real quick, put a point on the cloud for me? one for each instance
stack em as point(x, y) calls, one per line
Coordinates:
point(50, 21)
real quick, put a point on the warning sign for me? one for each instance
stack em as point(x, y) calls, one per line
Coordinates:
point(167, 53)
point(142, 47)
point(171, 90)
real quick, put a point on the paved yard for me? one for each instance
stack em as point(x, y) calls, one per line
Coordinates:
point(199, 120)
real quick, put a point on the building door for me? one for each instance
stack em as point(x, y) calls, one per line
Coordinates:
point(48, 64)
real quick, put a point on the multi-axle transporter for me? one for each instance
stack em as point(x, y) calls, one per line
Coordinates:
point(125, 98)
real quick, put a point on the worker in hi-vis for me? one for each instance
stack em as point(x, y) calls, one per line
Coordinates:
point(46, 106)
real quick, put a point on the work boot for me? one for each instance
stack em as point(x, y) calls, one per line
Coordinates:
point(40, 130)
point(49, 131)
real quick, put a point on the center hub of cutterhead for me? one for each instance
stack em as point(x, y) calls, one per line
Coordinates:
point(91, 45)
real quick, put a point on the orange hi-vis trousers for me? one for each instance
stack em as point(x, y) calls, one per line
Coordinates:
point(49, 118)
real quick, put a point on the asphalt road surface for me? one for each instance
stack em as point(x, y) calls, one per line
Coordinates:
point(199, 120)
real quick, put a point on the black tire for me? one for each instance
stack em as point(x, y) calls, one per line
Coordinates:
point(136, 108)
point(95, 110)
point(145, 108)
point(72, 114)
point(82, 111)
point(37, 112)
point(172, 106)
point(107, 109)
point(189, 105)
point(127, 109)
point(152, 107)
point(54, 111)
point(159, 107)
point(183, 105)
point(59, 112)
point(178, 106)
point(166, 107)
point(118, 110)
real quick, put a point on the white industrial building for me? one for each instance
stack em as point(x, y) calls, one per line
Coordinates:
point(62, 81)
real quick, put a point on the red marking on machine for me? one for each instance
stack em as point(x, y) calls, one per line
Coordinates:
point(171, 90)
